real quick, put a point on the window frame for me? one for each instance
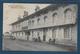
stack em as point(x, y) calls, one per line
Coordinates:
point(45, 18)
point(38, 20)
point(53, 16)
point(65, 14)
point(68, 33)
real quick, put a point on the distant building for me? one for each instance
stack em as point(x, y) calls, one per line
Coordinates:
point(53, 22)
point(6, 35)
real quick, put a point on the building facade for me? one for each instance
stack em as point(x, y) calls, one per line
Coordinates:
point(55, 22)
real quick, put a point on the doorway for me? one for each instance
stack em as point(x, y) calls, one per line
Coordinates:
point(44, 38)
point(44, 34)
point(27, 33)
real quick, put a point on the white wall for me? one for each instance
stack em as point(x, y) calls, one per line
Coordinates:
point(74, 33)
point(59, 20)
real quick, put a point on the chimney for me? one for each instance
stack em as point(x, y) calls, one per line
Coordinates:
point(25, 14)
point(37, 8)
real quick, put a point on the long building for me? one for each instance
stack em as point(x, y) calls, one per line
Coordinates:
point(55, 22)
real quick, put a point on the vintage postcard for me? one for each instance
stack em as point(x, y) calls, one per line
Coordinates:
point(39, 27)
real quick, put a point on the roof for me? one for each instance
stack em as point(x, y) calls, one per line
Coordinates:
point(42, 11)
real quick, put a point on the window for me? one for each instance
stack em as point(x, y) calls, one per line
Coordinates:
point(45, 17)
point(32, 22)
point(16, 27)
point(24, 22)
point(67, 32)
point(38, 20)
point(22, 33)
point(16, 34)
point(68, 14)
point(54, 17)
point(29, 22)
point(54, 33)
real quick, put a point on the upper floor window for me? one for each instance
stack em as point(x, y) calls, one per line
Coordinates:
point(38, 20)
point(29, 22)
point(25, 22)
point(45, 18)
point(68, 14)
point(19, 26)
point(32, 21)
point(54, 16)
point(16, 27)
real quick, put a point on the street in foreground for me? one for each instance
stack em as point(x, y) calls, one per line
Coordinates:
point(17, 45)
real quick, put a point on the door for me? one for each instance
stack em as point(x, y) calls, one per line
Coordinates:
point(27, 33)
point(44, 34)
point(44, 38)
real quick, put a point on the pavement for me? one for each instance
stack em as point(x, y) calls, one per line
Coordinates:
point(17, 45)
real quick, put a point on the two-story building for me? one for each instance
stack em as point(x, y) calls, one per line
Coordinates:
point(56, 21)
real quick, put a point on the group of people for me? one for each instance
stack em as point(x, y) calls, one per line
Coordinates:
point(39, 40)
point(52, 41)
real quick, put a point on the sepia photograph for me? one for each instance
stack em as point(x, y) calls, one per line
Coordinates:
point(39, 27)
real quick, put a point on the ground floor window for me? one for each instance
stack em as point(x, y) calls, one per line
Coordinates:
point(54, 33)
point(16, 34)
point(19, 33)
point(67, 32)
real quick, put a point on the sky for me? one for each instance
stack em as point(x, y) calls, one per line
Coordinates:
point(11, 11)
